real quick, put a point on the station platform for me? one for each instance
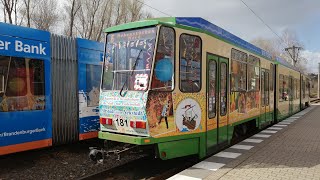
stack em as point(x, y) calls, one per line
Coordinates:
point(287, 150)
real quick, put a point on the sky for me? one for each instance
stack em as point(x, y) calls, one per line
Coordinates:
point(302, 17)
point(299, 16)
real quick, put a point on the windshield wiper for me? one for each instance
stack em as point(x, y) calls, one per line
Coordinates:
point(133, 68)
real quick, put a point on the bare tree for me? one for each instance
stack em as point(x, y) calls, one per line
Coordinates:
point(26, 11)
point(269, 45)
point(45, 15)
point(273, 46)
point(72, 8)
point(135, 9)
point(10, 10)
point(290, 38)
point(120, 14)
point(4, 14)
point(87, 17)
point(147, 15)
point(104, 19)
point(95, 15)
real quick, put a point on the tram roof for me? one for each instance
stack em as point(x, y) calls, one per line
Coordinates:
point(204, 26)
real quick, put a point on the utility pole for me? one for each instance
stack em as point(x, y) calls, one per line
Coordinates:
point(294, 53)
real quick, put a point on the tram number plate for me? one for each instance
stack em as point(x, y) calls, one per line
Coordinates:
point(121, 122)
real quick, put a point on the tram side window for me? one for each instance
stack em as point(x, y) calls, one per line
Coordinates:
point(281, 88)
point(297, 89)
point(3, 74)
point(253, 73)
point(286, 91)
point(23, 84)
point(272, 76)
point(212, 89)
point(1, 83)
point(37, 84)
point(238, 70)
point(223, 89)
point(293, 86)
point(163, 76)
point(93, 82)
point(308, 86)
point(16, 82)
point(303, 89)
point(266, 86)
point(294, 93)
point(190, 63)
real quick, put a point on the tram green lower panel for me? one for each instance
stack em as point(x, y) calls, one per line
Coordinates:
point(212, 138)
point(223, 134)
point(180, 148)
point(124, 138)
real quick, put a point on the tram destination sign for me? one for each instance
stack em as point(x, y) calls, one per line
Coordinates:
point(12, 46)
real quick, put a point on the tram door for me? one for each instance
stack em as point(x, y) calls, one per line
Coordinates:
point(217, 88)
point(265, 97)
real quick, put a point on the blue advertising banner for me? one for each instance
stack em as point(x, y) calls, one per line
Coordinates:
point(14, 46)
point(90, 57)
point(25, 98)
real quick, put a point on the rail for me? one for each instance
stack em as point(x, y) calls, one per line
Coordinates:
point(315, 101)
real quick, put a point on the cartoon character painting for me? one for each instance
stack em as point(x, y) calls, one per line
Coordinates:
point(166, 107)
point(188, 116)
point(159, 107)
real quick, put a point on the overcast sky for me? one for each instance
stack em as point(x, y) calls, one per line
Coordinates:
point(301, 16)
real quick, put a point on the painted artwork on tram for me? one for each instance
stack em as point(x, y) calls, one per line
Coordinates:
point(23, 84)
point(160, 112)
point(243, 105)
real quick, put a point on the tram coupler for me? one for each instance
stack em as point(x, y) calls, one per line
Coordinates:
point(127, 148)
point(99, 155)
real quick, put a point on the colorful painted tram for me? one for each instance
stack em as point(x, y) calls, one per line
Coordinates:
point(184, 86)
point(49, 89)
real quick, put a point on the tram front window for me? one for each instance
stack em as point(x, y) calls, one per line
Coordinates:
point(128, 61)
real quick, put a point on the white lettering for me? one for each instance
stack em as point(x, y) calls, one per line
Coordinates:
point(1, 45)
point(26, 48)
point(42, 49)
point(35, 49)
point(7, 45)
point(22, 132)
point(4, 45)
point(18, 46)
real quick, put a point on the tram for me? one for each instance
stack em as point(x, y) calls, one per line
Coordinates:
point(49, 89)
point(184, 86)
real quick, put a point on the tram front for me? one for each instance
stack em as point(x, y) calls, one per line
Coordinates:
point(137, 79)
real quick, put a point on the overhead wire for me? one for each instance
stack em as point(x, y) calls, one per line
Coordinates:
point(281, 40)
point(154, 8)
point(273, 31)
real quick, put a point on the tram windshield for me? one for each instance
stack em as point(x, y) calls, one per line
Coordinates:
point(128, 59)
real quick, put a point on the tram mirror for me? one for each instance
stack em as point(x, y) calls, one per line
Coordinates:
point(164, 69)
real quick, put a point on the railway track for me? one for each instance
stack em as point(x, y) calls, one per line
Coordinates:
point(148, 167)
point(315, 101)
point(145, 168)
